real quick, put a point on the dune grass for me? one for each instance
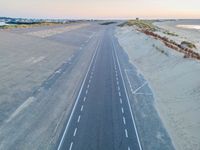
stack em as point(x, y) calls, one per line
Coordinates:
point(142, 24)
point(29, 25)
point(188, 44)
point(170, 33)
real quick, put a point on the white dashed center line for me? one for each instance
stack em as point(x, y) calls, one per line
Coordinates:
point(86, 92)
point(118, 88)
point(75, 132)
point(120, 100)
point(91, 77)
point(79, 117)
point(124, 121)
point(122, 109)
point(82, 108)
point(71, 145)
point(119, 93)
point(84, 99)
point(126, 133)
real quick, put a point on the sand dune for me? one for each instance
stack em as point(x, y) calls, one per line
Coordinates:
point(174, 81)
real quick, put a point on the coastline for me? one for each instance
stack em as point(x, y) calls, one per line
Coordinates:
point(174, 81)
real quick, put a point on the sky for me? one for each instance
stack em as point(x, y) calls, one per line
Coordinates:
point(100, 9)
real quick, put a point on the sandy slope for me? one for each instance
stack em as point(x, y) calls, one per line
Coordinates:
point(192, 35)
point(174, 81)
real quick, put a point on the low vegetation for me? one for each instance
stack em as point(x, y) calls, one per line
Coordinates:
point(160, 50)
point(29, 25)
point(147, 27)
point(188, 44)
point(141, 24)
point(170, 33)
point(107, 23)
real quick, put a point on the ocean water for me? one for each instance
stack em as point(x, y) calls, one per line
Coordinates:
point(2, 23)
point(188, 24)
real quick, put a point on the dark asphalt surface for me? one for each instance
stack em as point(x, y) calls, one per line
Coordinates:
point(101, 118)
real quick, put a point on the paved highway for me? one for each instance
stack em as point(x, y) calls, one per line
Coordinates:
point(101, 118)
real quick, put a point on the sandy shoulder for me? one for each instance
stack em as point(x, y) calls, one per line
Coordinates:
point(174, 81)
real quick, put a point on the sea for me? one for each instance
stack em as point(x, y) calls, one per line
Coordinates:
point(189, 24)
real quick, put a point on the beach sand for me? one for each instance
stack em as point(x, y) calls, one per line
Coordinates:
point(175, 83)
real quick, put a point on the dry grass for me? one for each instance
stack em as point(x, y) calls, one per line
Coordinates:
point(29, 25)
point(142, 24)
point(188, 44)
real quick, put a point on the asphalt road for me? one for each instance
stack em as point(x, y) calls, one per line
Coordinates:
point(101, 118)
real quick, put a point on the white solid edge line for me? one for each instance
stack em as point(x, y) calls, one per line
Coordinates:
point(139, 143)
point(66, 128)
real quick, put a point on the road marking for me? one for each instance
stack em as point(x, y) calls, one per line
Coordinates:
point(91, 77)
point(89, 81)
point(126, 133)
point(123, 82)
point(117, 79)
point(129, 148)
point(88, 86)
point(86, 92)
point(119, 93)
point(118, 88)
point(70, 148)
point(79, 117)
point(128, 80)
point(117, 82)
point(77, 99)
point(120, 100)
point(75, 132)
point(124, 121)
point(82, 108)
point(150, 94)
point(122, 109)
point(140, 87)
point(84, 99)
